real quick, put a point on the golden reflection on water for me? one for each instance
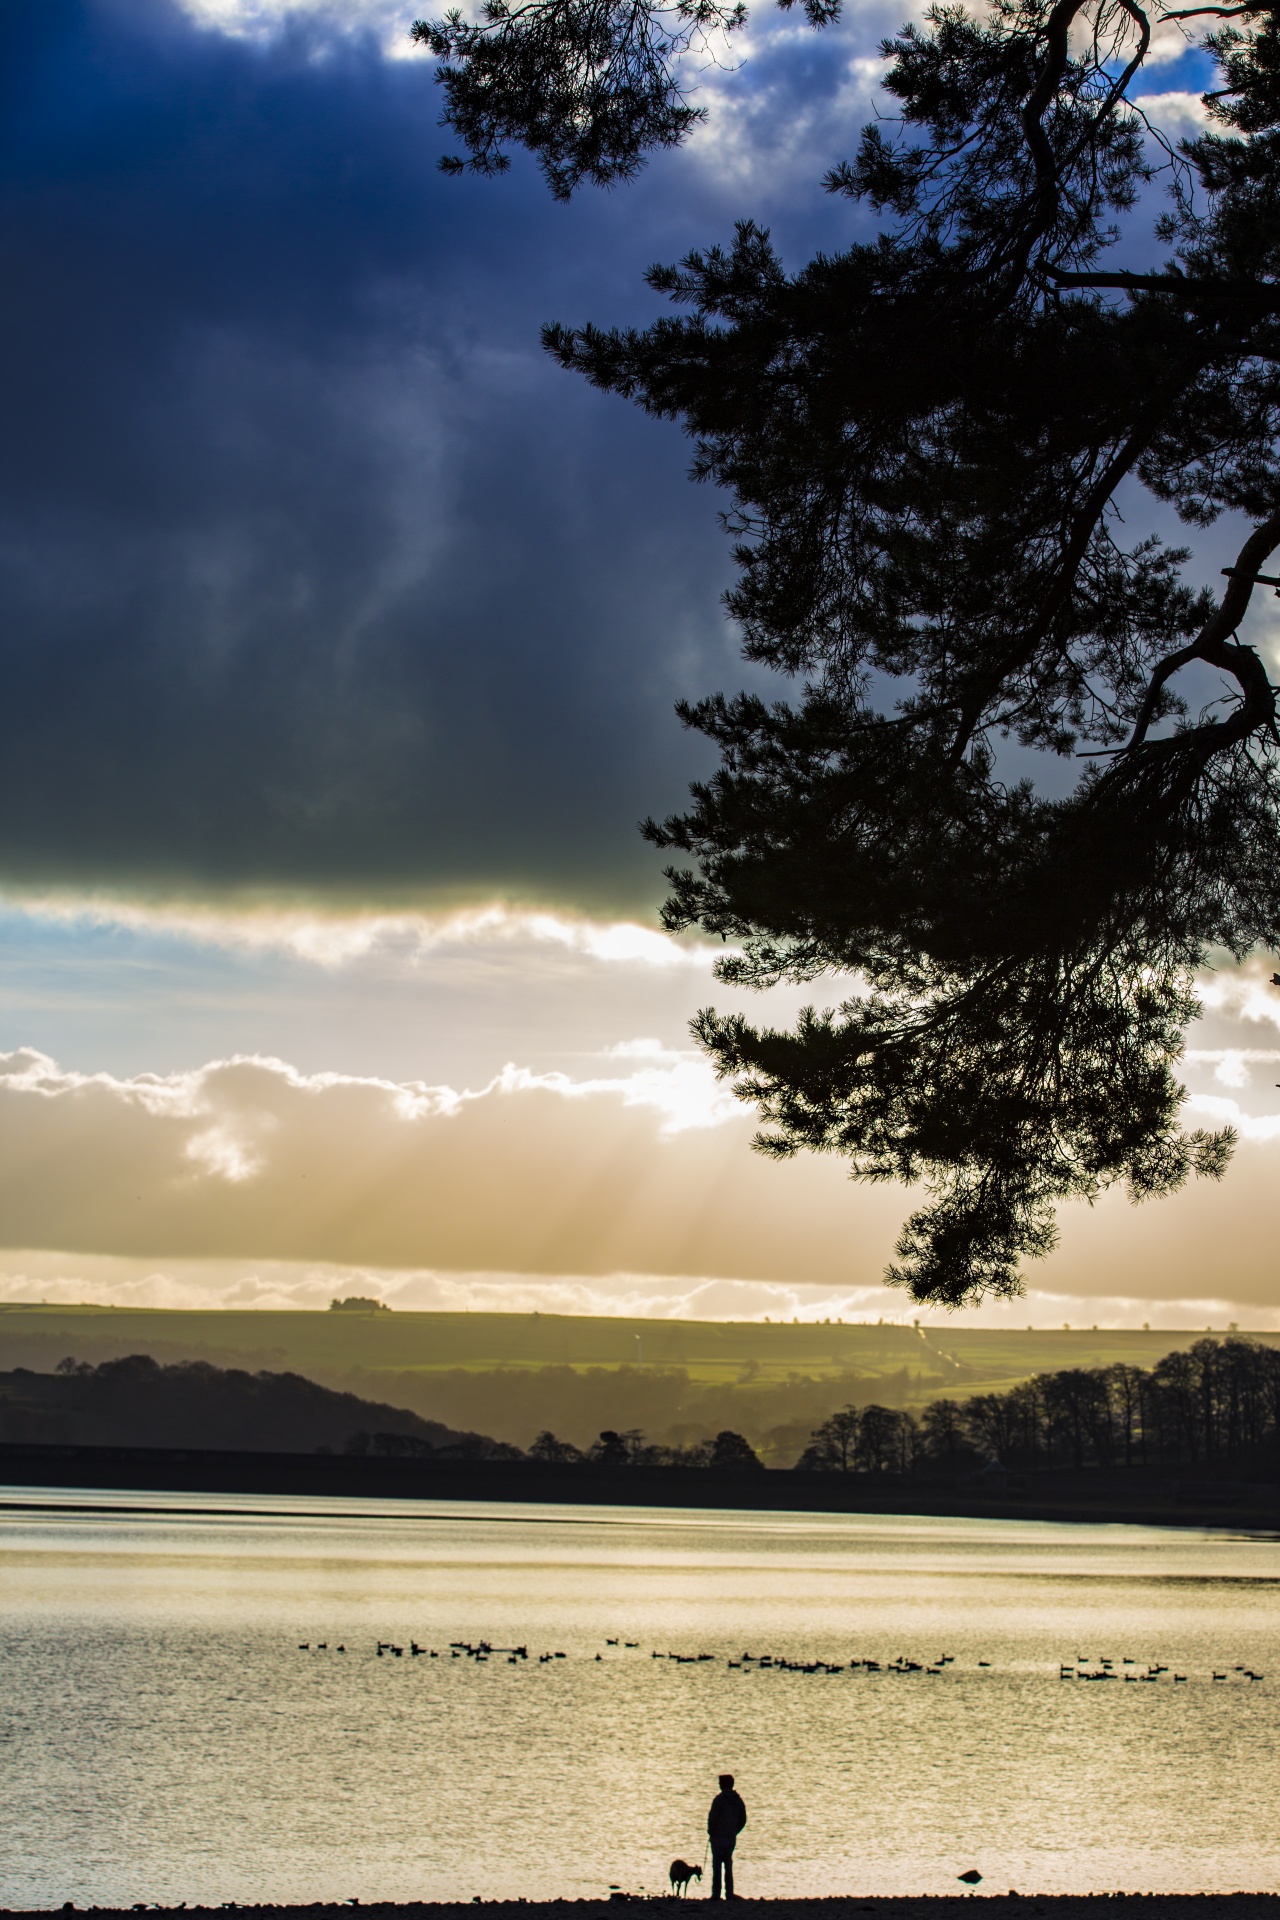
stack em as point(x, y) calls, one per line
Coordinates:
point(163, 1737)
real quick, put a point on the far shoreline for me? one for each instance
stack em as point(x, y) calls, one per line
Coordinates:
point(1125, 1497)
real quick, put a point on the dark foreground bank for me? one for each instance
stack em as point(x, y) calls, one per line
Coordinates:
point(1136, 1496)
point(1054, 1906)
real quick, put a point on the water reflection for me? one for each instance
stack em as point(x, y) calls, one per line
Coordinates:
point(177, 1722)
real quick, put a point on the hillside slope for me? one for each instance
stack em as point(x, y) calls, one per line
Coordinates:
point(511, 1375)
point(133, 1402)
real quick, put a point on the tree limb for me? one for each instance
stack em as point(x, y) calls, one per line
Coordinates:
point(1213, 645)
point(1219, 13)
point(1261, 294)
point(1058, 34)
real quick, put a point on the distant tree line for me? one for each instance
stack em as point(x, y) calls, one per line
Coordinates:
point(398, 1445)
point(728, 1452)
point(1215, 1404)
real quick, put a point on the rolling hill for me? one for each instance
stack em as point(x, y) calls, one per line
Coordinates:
point(510, 1375)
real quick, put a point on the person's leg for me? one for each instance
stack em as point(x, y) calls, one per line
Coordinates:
point(716, 1864)
point(728, 1875)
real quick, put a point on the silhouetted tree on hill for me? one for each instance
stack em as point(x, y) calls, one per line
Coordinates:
point(730, 1453)
point(555, 1453)
point(875, 1440)
point(834, 1444)
point(944, 1436)
point(618, 1449)
point(925, 439)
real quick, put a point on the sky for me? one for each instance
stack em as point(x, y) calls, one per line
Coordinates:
point(340, 635)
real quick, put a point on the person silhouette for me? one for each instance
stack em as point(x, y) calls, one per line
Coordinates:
point(725, 1822)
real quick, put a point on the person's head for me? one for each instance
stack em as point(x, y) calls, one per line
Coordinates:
point(726, 1781)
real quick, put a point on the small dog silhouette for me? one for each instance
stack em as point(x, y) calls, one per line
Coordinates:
point(681, 1874)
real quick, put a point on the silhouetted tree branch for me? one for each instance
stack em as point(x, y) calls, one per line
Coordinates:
point(923, 439)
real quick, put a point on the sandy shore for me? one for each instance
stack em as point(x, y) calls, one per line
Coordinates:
point(1053, 1906)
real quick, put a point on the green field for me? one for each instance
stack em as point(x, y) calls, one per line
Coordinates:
point(709, 1350)
point(510, 1375)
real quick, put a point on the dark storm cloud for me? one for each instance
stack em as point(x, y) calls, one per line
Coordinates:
point(313, 570)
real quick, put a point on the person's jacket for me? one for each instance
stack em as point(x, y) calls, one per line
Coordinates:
point(727, 1818)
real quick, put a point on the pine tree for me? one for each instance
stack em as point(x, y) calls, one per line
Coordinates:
point(924, 438)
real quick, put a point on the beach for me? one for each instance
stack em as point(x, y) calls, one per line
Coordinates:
point(1165, 1906)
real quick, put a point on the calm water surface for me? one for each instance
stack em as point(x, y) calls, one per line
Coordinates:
point(163, 1737)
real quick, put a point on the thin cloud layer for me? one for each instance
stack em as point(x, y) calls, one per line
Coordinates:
point(100, 1279)
point(336, 938)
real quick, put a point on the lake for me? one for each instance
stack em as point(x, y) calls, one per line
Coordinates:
point(165, 1737)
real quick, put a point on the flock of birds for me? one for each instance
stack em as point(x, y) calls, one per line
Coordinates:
point(1082, 1668)
point(456, 1650)
point(763, 1662)
point(1102, 1669)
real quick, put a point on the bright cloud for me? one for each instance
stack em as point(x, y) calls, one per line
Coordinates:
point(1232, 1065)
point(1176, 114)
point(1212, 1111)
point(1243, 994)
point(337, 938)
point(644, 1169)
point(633, 1184)
point(385, 20)
point(767, 126)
